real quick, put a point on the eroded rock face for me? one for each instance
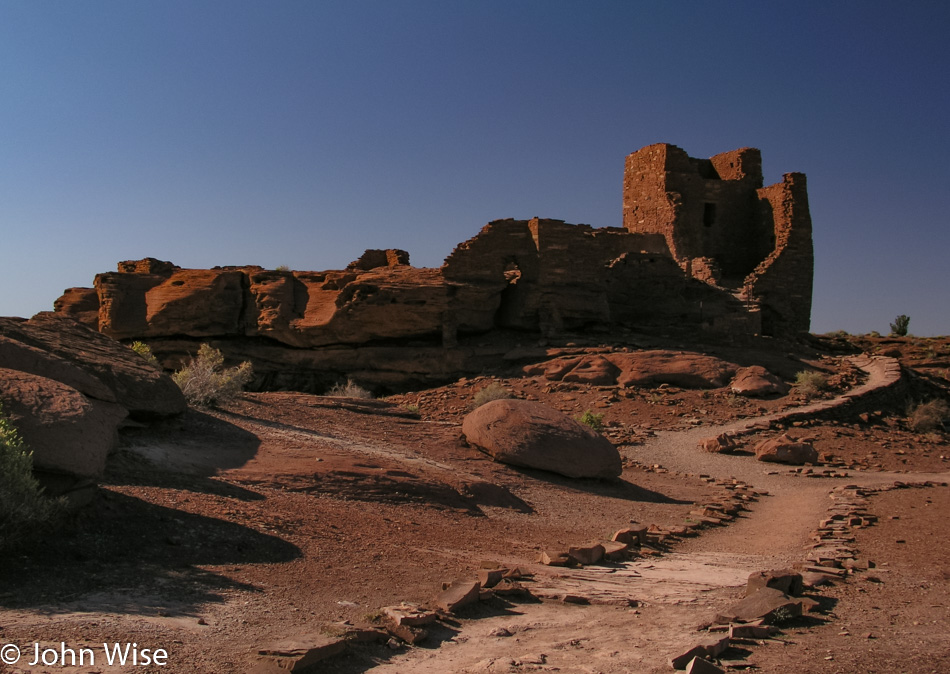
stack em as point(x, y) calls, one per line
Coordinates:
point(68, 432)
point(784, 449)
point(533, 435)
point(59, 348)
point(639, 368)
point(694, 232)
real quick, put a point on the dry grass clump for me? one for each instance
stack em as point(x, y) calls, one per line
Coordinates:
point(928, 417)
point(493, 391)
point(349, 390)
point(205, 381)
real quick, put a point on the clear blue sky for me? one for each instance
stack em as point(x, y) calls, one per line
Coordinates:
point(300, 133)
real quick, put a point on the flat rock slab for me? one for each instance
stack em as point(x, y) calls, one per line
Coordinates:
point(767, 604)
point(459, 594)
point(298, 654)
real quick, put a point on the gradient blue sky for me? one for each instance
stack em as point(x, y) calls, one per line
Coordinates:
point(301, 133)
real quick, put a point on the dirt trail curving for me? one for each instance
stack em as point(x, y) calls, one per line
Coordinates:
point(673, 593)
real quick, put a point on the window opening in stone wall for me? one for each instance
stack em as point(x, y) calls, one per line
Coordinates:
point(709, 214)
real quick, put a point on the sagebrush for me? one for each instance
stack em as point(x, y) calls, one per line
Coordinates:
point(588, 418)
point(810, 382)
point(493, 391)
point(205, 381)
point(929, 416)
point(145, 351)
point(22, 504)
point(349, 390)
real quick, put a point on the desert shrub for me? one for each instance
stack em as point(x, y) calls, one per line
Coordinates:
point(874, 333)
point(810, 383)
point(588, 418)
point(928, 417)
point(22, 504)
point(145, 351)
point(899, 326)
point(282, 267)
point(205, 381)
point(349, 390)
point(493, 391)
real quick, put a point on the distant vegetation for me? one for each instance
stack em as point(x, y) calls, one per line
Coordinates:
point(349, 390)
point(205, 381)
point(22, 504)
point(493, 391)
point(899, 326)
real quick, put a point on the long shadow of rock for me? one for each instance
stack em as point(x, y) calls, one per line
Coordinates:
point(126, 555)
point(619, 488)
point(183, 453)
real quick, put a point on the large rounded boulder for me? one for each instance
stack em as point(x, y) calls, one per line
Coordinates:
point(756, 381)
point(68, 432)
point(533, 435)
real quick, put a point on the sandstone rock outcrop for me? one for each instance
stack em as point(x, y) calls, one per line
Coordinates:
point(59, 348)
point(704, 247)
point(638, 368)
point(533, 435)
point(67, 388)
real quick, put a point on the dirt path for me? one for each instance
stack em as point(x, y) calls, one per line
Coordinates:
point(673, 593)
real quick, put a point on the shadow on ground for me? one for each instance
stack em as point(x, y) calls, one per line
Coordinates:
point(126, 555)
point(618, 489)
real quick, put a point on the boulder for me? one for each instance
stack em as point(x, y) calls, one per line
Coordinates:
point(68, 432)
point(59, 348)
point(784, 449)
point(756, 381)
point(721, 444)
point(533, 435)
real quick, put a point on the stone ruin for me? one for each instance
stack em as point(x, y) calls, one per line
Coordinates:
point(704, 247)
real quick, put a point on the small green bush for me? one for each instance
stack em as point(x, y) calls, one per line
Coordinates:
point(205, 381)
point(928, 417)
point(22, 504)
point(588, 418)
point(493, 391)
point(145, 351)
point(810, 383)
point(349, 390)
point(282, 267)
point(899, 326)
